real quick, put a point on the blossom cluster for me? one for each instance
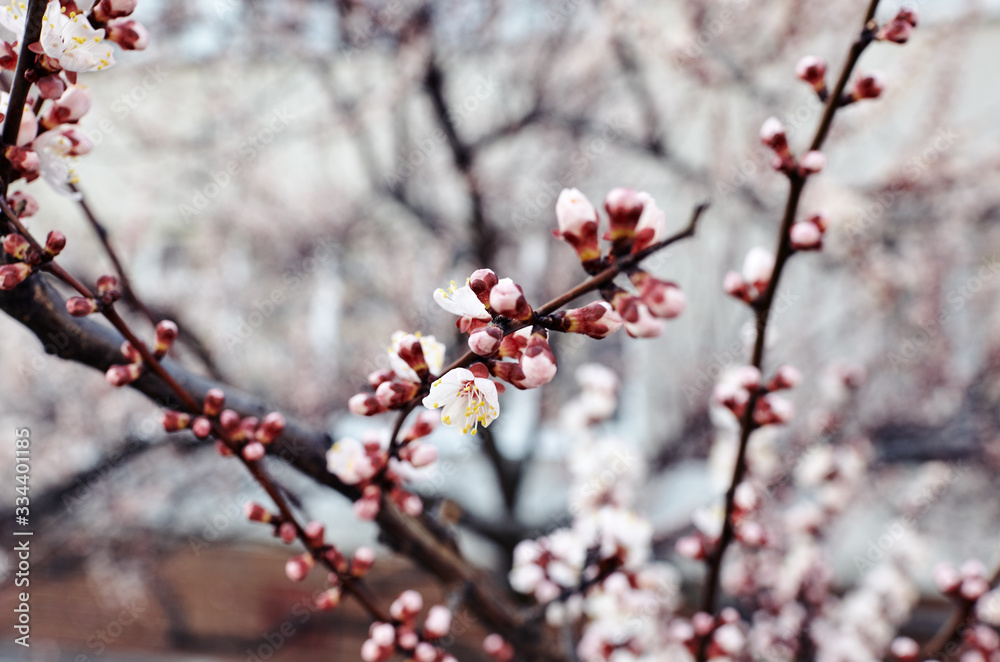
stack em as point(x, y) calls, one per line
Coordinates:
point(403, 635)
point(75, 38)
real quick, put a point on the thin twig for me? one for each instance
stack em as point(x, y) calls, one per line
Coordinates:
point(762, 310)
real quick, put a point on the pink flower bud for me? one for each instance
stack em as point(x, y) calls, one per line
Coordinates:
point(298, 567)
point(79, 143)
point(411, 351)
point(120, 375)
point(246, 430)
point(81, 306)
point(271, 427)
point(362, 561)
point(223, 449)
point(105, 10)
point(896, 31)
point(748, 377)
point(596, 320)
point(508, 300)
point(652, 225)
point(664, 300)
point(908, 15)
point(128, 33)
point(16, 246)
point(287, 533)
point(773, 410)
point(406, 606)
point(746, 498)
point(54, 242)
point(175, 420)
point(70, 107)
point(904, 649)
point(229, 420)
point(202, 427)
point(253, 451)
point(376, 378)
point(812, 162)
point(734, 285)
point(578, 221)
point(8, 56)
point(438, 622)
point(974, 587)
point(419, 455)
point(166, 334)
point(25, 161)
point(485, 341)
point(787, 376)
point(758, 266)
point(495, 646)
point(395, 394)
point(328, 599)
point(314, 533)
point(868, 86)
point(215, 399)
point(538, 363)
point(425, 652)
point(409, 502)
point(645, 326)
point(481, 282)
point(383, 634)
point(703, 623)
point(365, 404)
point(812, 70)
point(772, 134)
point(691, 547)
point(51, 87)
point(24, 205)
point(372, 652)
point(257, 513)
point(108, 289)
point(367, 508)
point(806, 236)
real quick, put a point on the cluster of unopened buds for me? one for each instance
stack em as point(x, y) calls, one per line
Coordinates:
point(249, 435)
point(747, 381)
point(403, 634)
point(369, 465)
point(28, 258)
point(74, 39)
point(773, 136)
point(966, 583)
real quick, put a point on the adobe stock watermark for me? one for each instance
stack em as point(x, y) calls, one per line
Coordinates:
point(277, 121)
point(957, 298)
point(291, 280)
point(409, 163)
point(913, 171)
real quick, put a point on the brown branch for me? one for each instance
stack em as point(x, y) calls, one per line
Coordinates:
point(762, 309)
point(19, 91)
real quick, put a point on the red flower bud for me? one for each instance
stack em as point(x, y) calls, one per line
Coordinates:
point(481, 282)
point(81, 306)
point(54, 243)
point(16, 246)
point(108, 289)
point(215, 399)
point(257, 513)
point(365, 404)
point(166, 334)
point(120, 375)
point(174, 421)
point(202, 427)
point(507, 299)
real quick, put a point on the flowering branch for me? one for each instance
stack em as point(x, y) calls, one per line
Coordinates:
point(19, 90)
point(797, 177)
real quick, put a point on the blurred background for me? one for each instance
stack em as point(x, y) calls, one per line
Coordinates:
point(291, 181)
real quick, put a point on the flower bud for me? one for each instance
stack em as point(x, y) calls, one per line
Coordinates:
point(410, 503)
point(645, 325)
point(8, 56)
point(362, 561)
point(271, 427)
point(54, 242)
point(412, 352)
point(597, 320)
point(812, 70)
point(691, 547)
point(496, 647)
point(481, 283)
point(105, 10)
point(107, 289)
point(773, 410)
point(364, 404)
point(895, 31)
point(578, 221)
point(868, 86)
point(23, 204)
point(425, 652)
point(624, 207)
point(229, 420)
point(223, 449)
point(12, 275)
point(174, 421)
point(812, 162)
point(328, 599)
point(253, 451)
point(287, 533)
point(16, 246)
point(247, 429)
point(298, 566)
point(202, 427)
point(508, 300)
point(734, 285)
point(438, 622)
point(406, 606)
point(908, 15)
point(69, 107)
point(787, 376)
point(120, 375)
point(314, 533)
point(904, 649)
point(51, 86)
point(664, 300)
point(255, 512)
point(652, 225)
point(128, 33)
point(419, 455)
point(758, 266)
point(24, 161)
point(538, 363)
point(806, 236)
point(395, 394)
point(215, 400)
point(166, 334)
point(772, 134)
point(485, 341)
point(377, 377)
